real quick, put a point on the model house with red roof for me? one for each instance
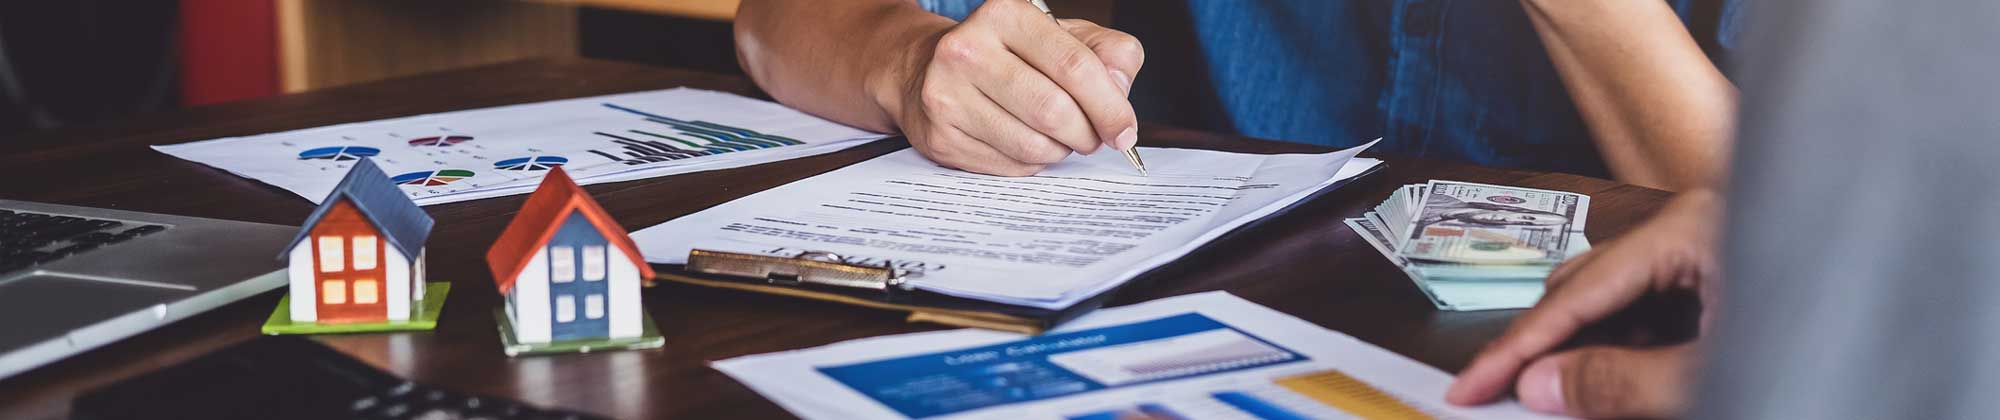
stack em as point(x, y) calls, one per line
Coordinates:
point(567, 270)
point(359, 258)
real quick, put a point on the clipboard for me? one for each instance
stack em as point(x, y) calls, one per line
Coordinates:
point(801, 278)
point(823, 276)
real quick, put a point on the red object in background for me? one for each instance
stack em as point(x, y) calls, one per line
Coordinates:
point(228, 50)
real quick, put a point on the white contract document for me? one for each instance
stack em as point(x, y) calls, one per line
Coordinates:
point(1207, 356)
point(489, 152)
point(1079, 228)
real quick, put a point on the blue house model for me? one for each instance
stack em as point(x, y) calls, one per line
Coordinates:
point(567, 270)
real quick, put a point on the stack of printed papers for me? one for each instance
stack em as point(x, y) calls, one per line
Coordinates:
point(480, 153)
point(1474, 246)
point(1196, 357)
point(1078, 229)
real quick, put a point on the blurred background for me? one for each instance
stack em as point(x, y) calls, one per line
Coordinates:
point(72, 62)
point(75, 62)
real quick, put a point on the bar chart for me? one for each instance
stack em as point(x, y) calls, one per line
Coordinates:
point(676, 139)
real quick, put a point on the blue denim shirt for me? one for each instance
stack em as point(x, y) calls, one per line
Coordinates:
point(1462, 80)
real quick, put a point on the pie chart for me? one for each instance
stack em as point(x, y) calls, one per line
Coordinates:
point(440, 141)
point(339, 153)
point(432, 178)
point(531, 163)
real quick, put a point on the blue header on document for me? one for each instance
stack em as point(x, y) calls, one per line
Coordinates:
point(1058, 365)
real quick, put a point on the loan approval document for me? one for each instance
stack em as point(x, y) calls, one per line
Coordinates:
point(1079, 228)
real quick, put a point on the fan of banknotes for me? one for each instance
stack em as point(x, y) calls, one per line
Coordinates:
point(1476, 247)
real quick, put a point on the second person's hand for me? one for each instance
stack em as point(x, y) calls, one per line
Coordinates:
point(1009, 91)
point(1673, 250)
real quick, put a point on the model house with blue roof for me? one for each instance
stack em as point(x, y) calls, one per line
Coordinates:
point(359, 258)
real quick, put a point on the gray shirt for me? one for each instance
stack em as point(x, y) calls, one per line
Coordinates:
point(1863, 254)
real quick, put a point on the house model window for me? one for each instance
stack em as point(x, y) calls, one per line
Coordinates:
point(565, 308)
point(334, 291)
point(330, 258)
point(364, 290)
point(562, 264)
point(593, 306)
point(364, 253)
point(593, 263)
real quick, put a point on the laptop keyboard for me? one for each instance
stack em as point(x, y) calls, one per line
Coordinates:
point(28, 239)
point(289, 377)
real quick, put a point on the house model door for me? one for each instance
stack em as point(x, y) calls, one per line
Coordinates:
point(578, 267)
point(347, 267)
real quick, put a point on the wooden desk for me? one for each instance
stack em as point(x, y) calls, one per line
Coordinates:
point(1305, 263)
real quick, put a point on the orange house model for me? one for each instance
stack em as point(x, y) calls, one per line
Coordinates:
point(567, 270)
point(359, 258)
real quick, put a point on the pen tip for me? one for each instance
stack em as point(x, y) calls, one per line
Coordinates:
point(1132, 154)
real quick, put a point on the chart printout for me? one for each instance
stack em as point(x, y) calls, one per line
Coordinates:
point(1208, 356)
point(479, 153)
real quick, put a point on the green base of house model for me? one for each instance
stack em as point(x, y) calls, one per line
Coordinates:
point(281, 323)
point(649, 337)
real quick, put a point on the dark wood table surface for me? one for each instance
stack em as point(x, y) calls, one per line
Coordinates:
point(1305, 262)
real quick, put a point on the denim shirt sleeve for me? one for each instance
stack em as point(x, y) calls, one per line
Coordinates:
point(1716, 25)
point(954, 9)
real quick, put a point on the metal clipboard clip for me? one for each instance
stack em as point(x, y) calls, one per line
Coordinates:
point(811, 267)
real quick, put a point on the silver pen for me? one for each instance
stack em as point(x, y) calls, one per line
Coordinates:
point(1131, 153)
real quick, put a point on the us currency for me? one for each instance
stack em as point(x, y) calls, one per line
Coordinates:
point(1464, 287)
point(1462, 222)
point(1393, 215)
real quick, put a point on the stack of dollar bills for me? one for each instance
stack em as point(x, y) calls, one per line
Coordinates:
point(1473, 247)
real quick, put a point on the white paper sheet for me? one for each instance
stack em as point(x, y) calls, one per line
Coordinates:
point(1192, 350)
point(489, 152)
point(1079, 228)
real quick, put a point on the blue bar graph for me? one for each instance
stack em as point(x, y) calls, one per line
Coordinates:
point(1257, 406)
point(682, 139)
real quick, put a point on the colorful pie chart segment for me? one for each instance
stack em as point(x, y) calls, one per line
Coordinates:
point(440, 141)
point(432, 178)
point(531, 163)
point(339, 153)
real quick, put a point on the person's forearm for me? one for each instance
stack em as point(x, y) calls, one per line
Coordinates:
point(1661, 112)
point(836, 59)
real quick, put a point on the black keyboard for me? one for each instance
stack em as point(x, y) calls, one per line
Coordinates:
point(28, 239)
point(287, 377)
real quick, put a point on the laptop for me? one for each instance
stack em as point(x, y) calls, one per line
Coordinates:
point(75, 278)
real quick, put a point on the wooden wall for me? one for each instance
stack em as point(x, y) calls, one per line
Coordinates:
point(325, 43)
point(336, 42)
